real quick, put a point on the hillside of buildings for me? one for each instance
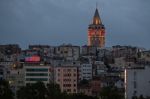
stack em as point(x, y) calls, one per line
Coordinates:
point(78, 70)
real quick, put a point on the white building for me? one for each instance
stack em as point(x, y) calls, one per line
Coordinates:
point(85, 71)
point(37, 72)
point(137, 82)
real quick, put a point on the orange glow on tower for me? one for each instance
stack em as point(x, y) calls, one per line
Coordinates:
point(96, 32)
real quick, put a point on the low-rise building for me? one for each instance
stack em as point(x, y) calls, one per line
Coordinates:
point(68, 52)
point(85, 71)
point(96, 86)
point(99, 68)
point(66, 77)
point(15, 77)
point(38, 72)
point(89, 50)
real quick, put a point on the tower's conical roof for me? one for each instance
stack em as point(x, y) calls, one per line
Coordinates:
point(96, 18)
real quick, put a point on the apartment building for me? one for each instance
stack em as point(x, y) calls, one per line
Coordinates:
point(66, 77)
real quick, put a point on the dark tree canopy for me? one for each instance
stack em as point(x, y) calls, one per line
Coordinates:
point(32, 91)
point(111, 93)
point(50, 91)
point(5, 91)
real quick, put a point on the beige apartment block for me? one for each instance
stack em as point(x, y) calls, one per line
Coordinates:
point(66, 77)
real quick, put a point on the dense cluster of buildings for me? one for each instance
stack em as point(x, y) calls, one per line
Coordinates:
point(86, 69)
point(78, 69)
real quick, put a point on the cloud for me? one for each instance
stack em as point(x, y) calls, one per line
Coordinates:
point(66, 21)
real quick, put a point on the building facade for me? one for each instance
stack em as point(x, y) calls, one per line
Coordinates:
point(85, 71)
point(96, 32)
point(68, 52)
point(137, 82)
point(15, 77)
point(38, 72)
point(66, 78)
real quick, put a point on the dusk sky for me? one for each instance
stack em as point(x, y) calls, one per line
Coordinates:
point(54, 22)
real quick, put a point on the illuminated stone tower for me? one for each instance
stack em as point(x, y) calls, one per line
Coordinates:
point(96, 32)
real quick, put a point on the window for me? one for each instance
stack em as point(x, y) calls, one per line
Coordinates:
point(134, 92)
point(37, 70)
point(66, 85)
point(69, 74)
point(36, 74)
point(36, 79)
point(135, 75)
point(68, 90)
point(67, 80)
point(135, 84)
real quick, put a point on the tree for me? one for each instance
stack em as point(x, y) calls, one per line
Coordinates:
point(53, 91)
point(110, 93)
point(32, 91)
point(5, 91)
point(84, 82)
point(25, 92)
point(82, 96)
point(40, 90)
point(134, 97)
